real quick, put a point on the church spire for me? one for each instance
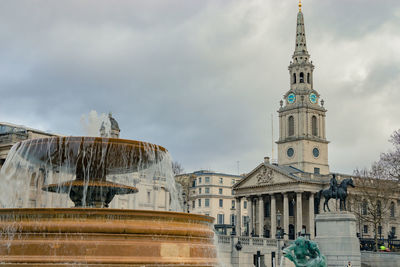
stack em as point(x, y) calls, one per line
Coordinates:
point(301, 45)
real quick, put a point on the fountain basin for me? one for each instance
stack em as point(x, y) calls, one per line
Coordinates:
point(105, 237)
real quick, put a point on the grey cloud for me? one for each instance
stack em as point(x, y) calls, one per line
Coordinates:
point(198, 77)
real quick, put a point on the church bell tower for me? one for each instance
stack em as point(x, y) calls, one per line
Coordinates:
point(302, 138)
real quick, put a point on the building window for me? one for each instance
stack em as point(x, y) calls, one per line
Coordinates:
point(245, 204)
point(194, 204)
point(200, 191)
point(314, 126)
point(199, 180)
point(221, 181)
point(291, 125)
point(207, 202)
point(380, 230)
point(220, 191)
point(301, 77)
point(194, 183)
point(294, 78)
point(221, 203)
point(233, 181)
point(220, 219)
point(392, 211)
point(207, 190)
point(393, 231)
point(233, 204)
point(316, 170)
point(199, 200)
point(308, 78)
point(365, 229)
point(207, 180)
point(364, 208)
point(378, 208)
point(233, 219)
point(245, 219)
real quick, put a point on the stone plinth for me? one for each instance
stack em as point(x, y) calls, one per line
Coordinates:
point(337, 238)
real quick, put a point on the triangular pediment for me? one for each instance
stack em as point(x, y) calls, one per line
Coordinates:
point(264, 175)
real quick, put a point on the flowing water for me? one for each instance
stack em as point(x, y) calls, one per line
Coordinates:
point(31, 165)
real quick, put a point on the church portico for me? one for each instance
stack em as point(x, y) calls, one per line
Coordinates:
point(276, 212)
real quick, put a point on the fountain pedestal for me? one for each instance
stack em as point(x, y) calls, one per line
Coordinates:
point(105, 237)
point(337, 238)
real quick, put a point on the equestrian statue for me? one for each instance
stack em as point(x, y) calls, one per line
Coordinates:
point(335, 191)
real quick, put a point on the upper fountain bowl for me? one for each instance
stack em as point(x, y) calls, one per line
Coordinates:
point(93, 156)
point(91, 159)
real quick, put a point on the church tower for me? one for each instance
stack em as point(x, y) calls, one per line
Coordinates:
point(302, 139)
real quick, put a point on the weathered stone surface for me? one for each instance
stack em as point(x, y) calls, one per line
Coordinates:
point(378, 259)
point(337, 238)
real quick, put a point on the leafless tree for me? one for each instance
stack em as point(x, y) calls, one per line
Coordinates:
point(376, 188)
point(389, 162)
point(371, 201)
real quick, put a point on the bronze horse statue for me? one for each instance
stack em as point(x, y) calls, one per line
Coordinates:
point(341, 194)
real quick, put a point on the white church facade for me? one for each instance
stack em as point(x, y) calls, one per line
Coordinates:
point(282, 197)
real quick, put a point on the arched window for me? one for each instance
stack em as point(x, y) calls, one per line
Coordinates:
point(314, 126)
point(294, 78)
point(301, 77)
point(308, 77)
point(392, 211)
point(291, 125)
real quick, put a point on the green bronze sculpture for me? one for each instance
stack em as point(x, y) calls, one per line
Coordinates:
point(305, 253)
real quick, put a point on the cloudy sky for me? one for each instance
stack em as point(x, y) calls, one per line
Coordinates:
point(202, 78)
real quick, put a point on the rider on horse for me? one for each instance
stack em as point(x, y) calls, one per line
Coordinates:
point(333, 186)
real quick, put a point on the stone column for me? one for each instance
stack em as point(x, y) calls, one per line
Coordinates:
point(238, 217)
point(261, 216)
point(311, 215)
point(286, 215)
point(273, 216)
point(250, 214)
point(299, 212)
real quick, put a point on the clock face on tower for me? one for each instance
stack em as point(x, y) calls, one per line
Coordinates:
point(291, 98)
point(313, 98)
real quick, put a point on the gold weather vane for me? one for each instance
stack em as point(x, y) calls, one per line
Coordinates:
point(299, 5)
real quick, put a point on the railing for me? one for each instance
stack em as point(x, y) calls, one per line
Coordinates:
point(368, 244)
point(244, 240)
point(258, 241)
point(248, 241)
point(224, 239)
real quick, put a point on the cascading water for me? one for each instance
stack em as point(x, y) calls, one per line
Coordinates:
point(36, 169)
point(43, 178)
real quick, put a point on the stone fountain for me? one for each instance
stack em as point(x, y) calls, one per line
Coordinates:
point(89, 233)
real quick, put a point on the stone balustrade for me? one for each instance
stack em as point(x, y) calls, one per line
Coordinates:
point(248, 241)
